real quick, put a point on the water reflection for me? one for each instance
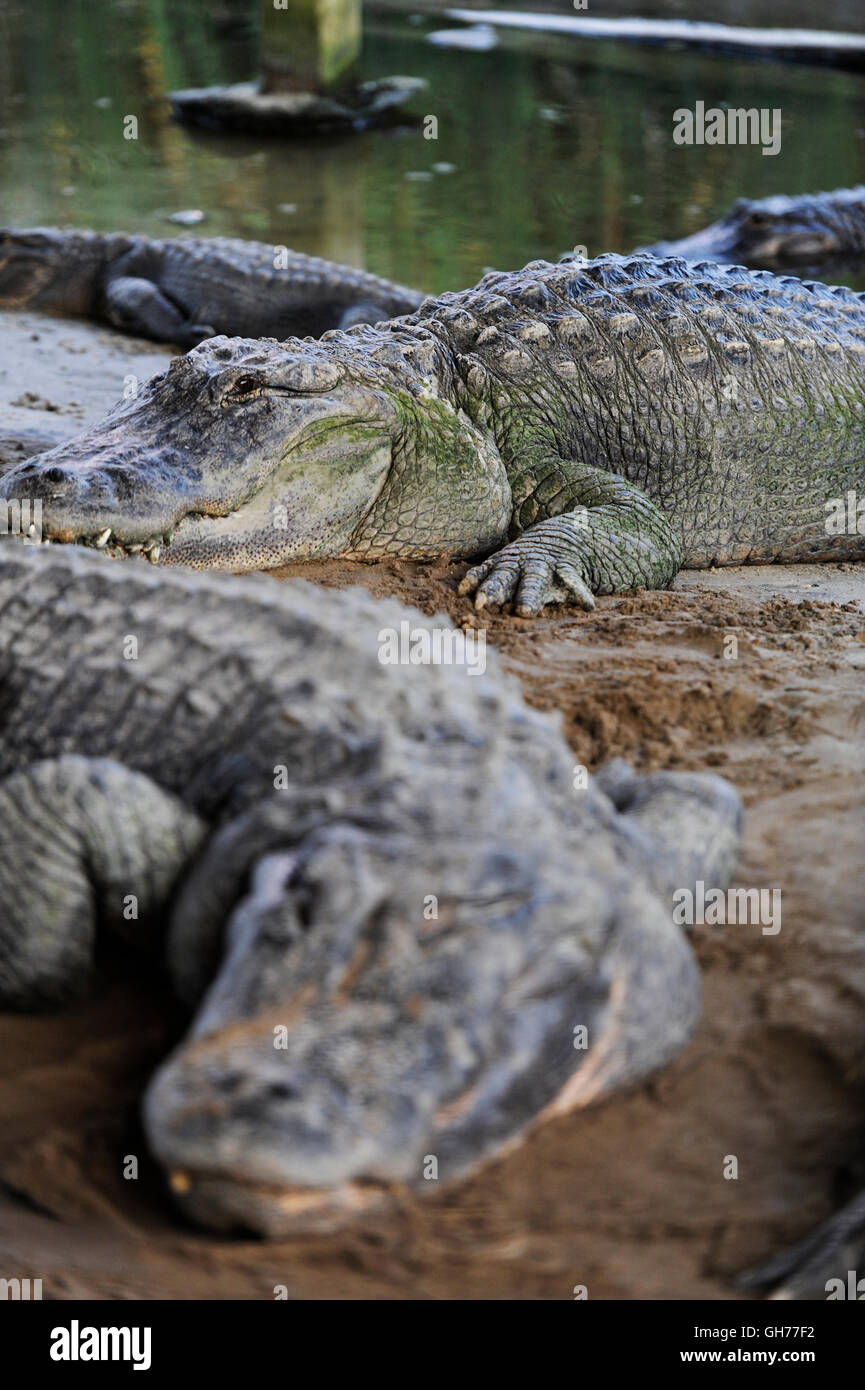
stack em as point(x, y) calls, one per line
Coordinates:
point(549, 145)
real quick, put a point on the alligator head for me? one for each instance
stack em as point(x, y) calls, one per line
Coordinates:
point(49, 268)
point(356, 1042)
point(248, 453)
point(771, 231)
point(215, 455)
point(401, 979)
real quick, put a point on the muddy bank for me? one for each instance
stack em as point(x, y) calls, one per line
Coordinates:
point(628, 1198)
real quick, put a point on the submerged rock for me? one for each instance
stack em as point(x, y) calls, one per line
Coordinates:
point(244, 107)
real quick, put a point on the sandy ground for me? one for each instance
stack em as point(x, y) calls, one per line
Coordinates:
point(629, 1198)
point(56, 376)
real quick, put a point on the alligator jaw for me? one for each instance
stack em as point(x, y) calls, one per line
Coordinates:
point(105, 540)
point(790, 246)
point(732, 241)
point(274, 1211)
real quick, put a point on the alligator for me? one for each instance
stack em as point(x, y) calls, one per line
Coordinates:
point(407, 932)
point(575, 429)
point(826, 1263)
point(811, 229)
point(184, 290)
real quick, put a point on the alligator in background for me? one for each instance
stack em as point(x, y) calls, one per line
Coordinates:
point(298, 806)
point(579, 428)
point(810, 230)
point(182, 291)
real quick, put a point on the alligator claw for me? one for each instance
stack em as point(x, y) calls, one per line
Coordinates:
point(472, 578)
point(530, 579)
point(492, 582)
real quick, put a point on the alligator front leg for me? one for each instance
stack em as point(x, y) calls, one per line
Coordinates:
point(365, 312)
point(81, 840)
point(614, 538)
point(138, 306)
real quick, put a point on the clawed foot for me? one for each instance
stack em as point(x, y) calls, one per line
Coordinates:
point(538, 568)
point(615, 539)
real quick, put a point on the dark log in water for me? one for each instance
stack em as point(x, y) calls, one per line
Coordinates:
point(793, 45)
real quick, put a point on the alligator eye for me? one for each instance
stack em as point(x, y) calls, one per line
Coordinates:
point(245, 388)
point(757, 220)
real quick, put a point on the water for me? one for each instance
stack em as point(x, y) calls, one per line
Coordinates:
point(552, 144)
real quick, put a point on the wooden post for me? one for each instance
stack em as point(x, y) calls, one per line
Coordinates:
point(308, 45)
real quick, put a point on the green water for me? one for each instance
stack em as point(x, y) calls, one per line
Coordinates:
point(552, 143)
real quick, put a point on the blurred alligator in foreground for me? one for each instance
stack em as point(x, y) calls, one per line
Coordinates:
point(346, 1030)
point(793, 232)
point(580, 428)
point(181, 291)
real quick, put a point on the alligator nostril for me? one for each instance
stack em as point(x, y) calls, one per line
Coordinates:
point(55, 475)
point(279, 1090)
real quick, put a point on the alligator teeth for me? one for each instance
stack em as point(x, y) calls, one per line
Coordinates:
point(153, 554)
point(103, 538)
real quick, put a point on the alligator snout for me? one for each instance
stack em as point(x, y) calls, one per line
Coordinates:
point(30, 473)
point(30, 481)
point(89, 500)
point(51, 487)
point(53, 481)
